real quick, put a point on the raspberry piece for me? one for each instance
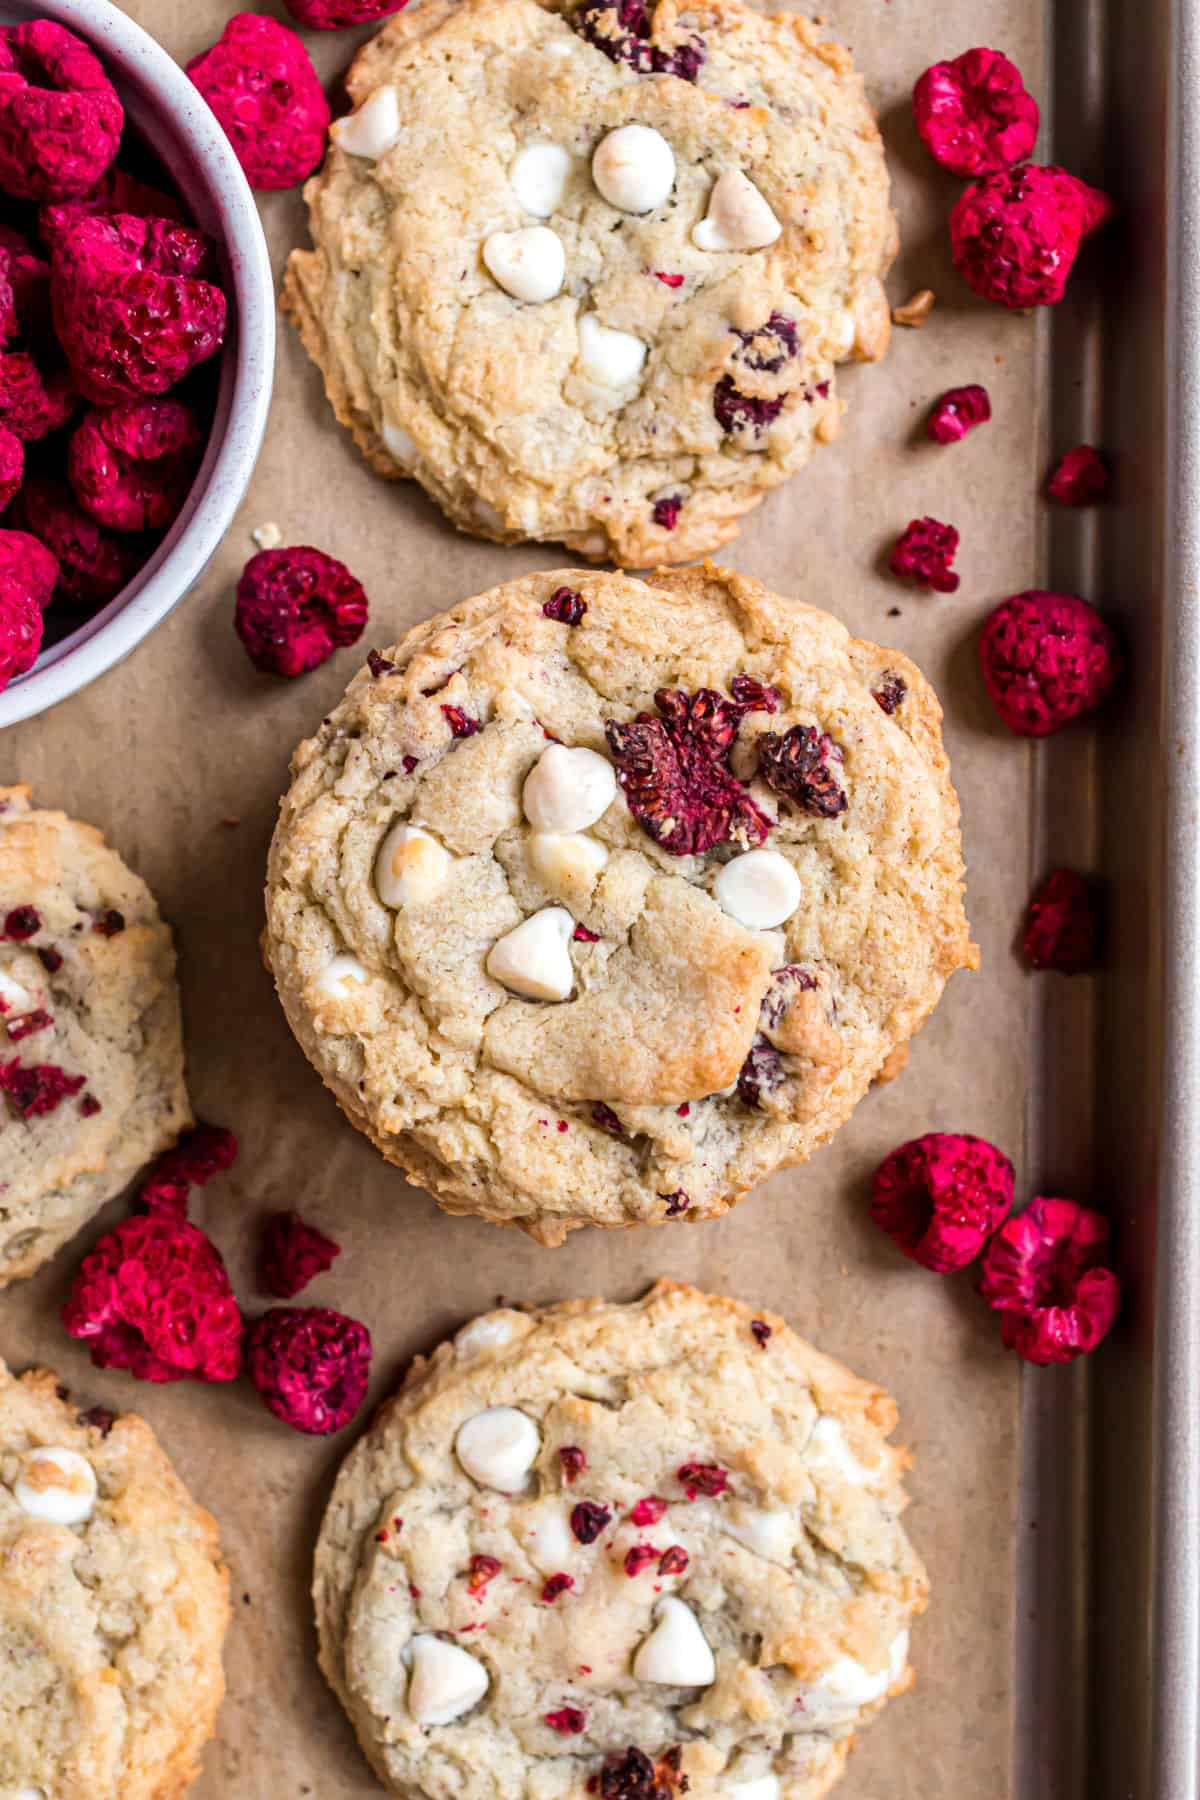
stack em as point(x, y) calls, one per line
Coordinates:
point(131, 466)
point(39, 1089)
point(958, 411)
point(118, 192)
point(940, 1198)
point(709, 1479)
point(22, 923)
point(292, 1254)
point(1047, 1273)
point(60, 118)
point(566, 606)
point(133, 304)
point(28, 276)
point(260, 82)
point(1080, 478)
point(33, 405)
point(481, 1570)
point(1047, 659)
point(760, 1331)
point(805, 765)
point(628, 1775)
point(667, 510)
point(12, 464)
point(200, 1155)
point(767, 348)
point(738, 412)
point(1015, 236)
point(648, 1511)
point(461, 724)
point(761, 1073)
point(110, 923)
point(673, 1561)
point(557, 1584)
point(568, 1719)
point(1063, 928)
point(668, 279)
point(588, 1520)
point(310, 1366)
point(890, 692)
point(755, 696)
point(675, 775)
point(607, 1120)
point(639, 1557)
point(621, 29)
point(331, 15)
point(677, 1203)
point(924, 553)
point(582, 935)
point(93, 566)
point(572, 1462)
point(973, 114)
point(21, 629)
point(295, 607)
point(153, 1297)
point(23, 1025)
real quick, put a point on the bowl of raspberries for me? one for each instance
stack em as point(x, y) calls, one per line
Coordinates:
point(136, 343)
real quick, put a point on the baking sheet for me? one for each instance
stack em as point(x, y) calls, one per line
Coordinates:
point(168, 751)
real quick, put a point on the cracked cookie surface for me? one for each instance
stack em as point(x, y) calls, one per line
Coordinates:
point(665, 1537)
point(113, 1605)
point(550, 1015)
point(622, 354)
point(91, 1049)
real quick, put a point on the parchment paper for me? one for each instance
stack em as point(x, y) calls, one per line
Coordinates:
point(185, 737)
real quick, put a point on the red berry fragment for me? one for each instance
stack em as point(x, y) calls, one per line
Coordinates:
point(607, 1120)
point(260, 82)
point(482, 1569)
point(753, 695)
point(570, 1720)
point(93, 566)
point(331, 15)
point(1015, 236)
point(668, 279)
point(28, 277)
point(709, 1479)
point(23, 1025)
point(12, 464)
point(760, 1331)
point(805, 765)
point(890, 692)
point(623, 30)
point(153, 1297)
point(60, 118)
point(31, 405)
point(1080, 478)
point(958, 411)
point(677, 1203)
point(109, 923)
point(1047, 659)
point(295, 607)
point(27, 566)
point(1063, 928)
point(200, 1155)
point(973, 113)
point(557, 1584)
point(22, 923)
point(572, 1461)
point(1047, 1273)
point(33, 1091)
point(566, 606)
point(134, 304)
point(675, 775)
point(582, 935)
point(310, 1366)
point(131, 466)
point(941, 1197)
point(588, 1520)
point(667, 510)
point(673, 1561)
point(461, 724)
point(924, 552)
point(118, 192)
point(761, 1073)
point(292, 1254)
point(21, 629)
point(639, 1557)
point(648, 1511)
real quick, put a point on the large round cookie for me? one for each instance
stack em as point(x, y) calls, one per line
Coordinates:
point(695, 1053)
point(590, 1543)
point(113, 1605)
point(91, 1053)
point(528, 418)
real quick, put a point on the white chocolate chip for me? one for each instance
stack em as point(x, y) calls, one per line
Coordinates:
point(828, 1449)
point(738, 217)
point(15, 997)
point(539, 175)
point(490, 1332)
point(267, 535)
point(528, 264)
point(410, 866)
point(568, 789)
point(610, 357)
point(547, 1537)
point(567, 858)
point(56, 1484)
point(759, 889)
point(769, 1532)
point(676, 1654)
point(397, 443)
point(28, 1793)
point(634, 168)
point(763, 1787)
point(373, 128)
point(498, 1447)
point(845, 1687)
point(445, 1681)
point(533, 959)
point(340, 976)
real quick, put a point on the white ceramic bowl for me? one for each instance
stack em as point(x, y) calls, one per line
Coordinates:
point(168, 113)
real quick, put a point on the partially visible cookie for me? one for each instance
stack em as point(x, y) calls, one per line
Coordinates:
point(586, 271)
point(91, 1048)
point(113, 1605)
point(633, 1551)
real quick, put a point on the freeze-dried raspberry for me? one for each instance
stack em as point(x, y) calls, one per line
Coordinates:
point(295, 607)
point(37, 1089)
point(331, 15)
point(737, 412)
point(118, 192)
point(134, 304)
point(200, 1155)
point(22, 923)
point(588, 1520)
point(1080, 478)
point(572, 1462)
point(958, 411)
point(709, 1479)
point(12, 464)
point(752, 695)
point(761, 1073)
point(675, 775)
point(28, 276)
point(639, 1557)
point(557, 1584)
point(673, 1561)
point(973, 113)
point(677, 1203)
point(153, 1297)
point(940, 1197)
point(23, 1025)
point(628, 1775)
point(1015, 236)
point(890, 692)
point(622, 28)
point(667, 510)
point(481, 1571)
point(292, 1253)
point(33, 405)
point(310, 1366)
point(1047, 659)
point(668, 279)
point(109, 923)
point(607, 1120)
point(570, 1720)
point(769, 346)
point(1063, 928)
point(566, 606)
point(805, 765)
point(60, 118)
point(132, 464)
point(260, 82)
point(461, 724)
point(1047, 1273)
point(924, 553)
point(648, 1511)
point(760, 1331)
point(21, 629)
point(93, 566)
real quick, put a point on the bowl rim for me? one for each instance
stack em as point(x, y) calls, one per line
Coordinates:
point(221, 486)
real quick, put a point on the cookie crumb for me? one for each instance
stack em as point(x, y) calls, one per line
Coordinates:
point(915, 310)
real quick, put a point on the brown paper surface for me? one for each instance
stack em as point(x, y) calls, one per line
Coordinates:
point(163, 752)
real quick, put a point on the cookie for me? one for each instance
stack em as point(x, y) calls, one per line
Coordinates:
point(597, 900)
point(634, 1551)
point(113, 1605)
point(91, 1051)
point(586, 271)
